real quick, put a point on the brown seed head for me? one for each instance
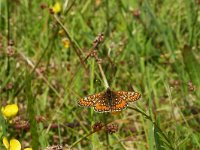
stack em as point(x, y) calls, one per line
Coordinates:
point(43, 5)
point(11, 43)
point(97, 126)
point(93, 53)
point(19, 123)
point(136, 13)
point(99, 61)
point(54, 147)
point(10, 51)
point(191, 87)
point(9, 86)
point(112, 128)
point(51, 11)
point(98, 39)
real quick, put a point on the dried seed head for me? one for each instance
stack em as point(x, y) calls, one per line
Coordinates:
point(99, 61)
point(136, 13)
point(22, 125)
point(175, 84)
point(97, 126)
point(54, 147)
point(9, 86)
point(19, 123)
point(11, 43)
point(98, 39)
point(51, 11)
point(112, 128)
point(94, 53)
point(43, 5)
point(191, 87)
point(40, 118)
point(10, 51)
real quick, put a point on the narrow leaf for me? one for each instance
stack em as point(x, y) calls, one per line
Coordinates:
point(192, 65)
point(158, 141)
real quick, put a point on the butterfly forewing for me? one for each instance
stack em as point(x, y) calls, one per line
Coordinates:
point(102, 105)
point(90, 100)
point(133, 96)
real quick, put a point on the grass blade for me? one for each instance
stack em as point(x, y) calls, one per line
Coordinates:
point(31, 113)
point(192, 65)
point(158, 140)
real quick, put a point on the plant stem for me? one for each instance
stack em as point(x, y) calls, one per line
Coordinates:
point(82, 139)
point(155, 125)
point(103, 76)
point(74, 43)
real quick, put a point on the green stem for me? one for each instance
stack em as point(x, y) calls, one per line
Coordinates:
point(106, 133)
point(107, 19)
point(82, 139)
point(103, 76)
point(75, 45)
point(155, 125)
point(23, 84)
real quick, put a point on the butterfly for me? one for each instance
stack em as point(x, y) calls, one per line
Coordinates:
point(109, 101)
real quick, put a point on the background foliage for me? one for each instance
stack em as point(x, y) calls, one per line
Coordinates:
point(149, 46)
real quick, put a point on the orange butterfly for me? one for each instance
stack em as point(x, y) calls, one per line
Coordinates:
point(109, 101)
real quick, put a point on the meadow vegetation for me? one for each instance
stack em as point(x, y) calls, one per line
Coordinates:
point(53, 53)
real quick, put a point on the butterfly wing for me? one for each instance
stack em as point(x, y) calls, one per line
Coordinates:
point(133, 96)
point(109, 101)
point(102, 104)
point(119, 105)
point(119, 101)
point(128, 96)
point(90, 100)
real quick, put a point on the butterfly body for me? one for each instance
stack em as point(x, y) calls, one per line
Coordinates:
point(109, 101)
point(110, 97)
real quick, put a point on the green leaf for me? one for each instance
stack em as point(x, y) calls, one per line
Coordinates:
point(151, 137)
point(158, 141)
point(31, 113)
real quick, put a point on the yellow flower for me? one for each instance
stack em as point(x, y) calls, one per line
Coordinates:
point(10, 111)
point(66, 43)
point(5, 142)
point(56, 7)
point(13, 145)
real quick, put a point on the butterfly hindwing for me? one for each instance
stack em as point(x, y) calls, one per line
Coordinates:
point(102, 106)
point(119, 105)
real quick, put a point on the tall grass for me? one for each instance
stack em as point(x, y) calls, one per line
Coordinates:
point(149, 46)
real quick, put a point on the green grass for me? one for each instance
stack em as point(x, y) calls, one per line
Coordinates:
point(155, 52)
